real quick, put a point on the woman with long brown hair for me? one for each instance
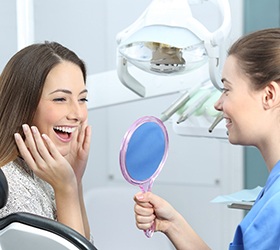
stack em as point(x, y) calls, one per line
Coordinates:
point(44, 134)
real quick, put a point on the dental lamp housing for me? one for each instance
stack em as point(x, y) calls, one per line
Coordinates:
point(167, 40)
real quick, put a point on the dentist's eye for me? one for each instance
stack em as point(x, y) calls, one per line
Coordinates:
point(224, 90)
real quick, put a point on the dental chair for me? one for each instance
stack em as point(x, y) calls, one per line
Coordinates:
point(28, 231)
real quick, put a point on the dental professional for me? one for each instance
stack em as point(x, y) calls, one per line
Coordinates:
point(44, 134)
point(250, 103)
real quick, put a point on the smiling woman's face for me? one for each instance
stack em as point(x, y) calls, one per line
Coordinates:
point(62, 107)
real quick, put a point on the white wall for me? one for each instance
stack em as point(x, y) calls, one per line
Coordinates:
point(197, 169)
point(8, 39)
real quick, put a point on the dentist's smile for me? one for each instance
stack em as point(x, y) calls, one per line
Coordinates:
point(228, 122)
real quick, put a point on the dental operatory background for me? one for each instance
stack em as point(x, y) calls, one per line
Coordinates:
point(200, 165)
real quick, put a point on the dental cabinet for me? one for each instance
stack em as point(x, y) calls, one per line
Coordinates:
point(200, 165)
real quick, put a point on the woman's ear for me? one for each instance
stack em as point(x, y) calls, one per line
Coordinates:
point(271, 95)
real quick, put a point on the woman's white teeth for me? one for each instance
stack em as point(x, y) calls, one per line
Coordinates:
point(65, 129)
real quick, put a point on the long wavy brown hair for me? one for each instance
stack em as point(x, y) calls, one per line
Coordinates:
point(21, 85)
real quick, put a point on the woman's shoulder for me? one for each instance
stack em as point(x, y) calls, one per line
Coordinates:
point(17, 169)
point(27, 193)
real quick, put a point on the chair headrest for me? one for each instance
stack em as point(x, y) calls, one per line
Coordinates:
point(4, 189)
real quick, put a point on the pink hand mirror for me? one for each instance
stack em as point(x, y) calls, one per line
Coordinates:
point(143, 153)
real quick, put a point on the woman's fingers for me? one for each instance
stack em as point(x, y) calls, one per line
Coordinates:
point(87, 137)
point(84, 136)
point(44, 154)
point(81, 133)
point(24, 150)
point(33, 149)
point(28, 148)
point(52, 150)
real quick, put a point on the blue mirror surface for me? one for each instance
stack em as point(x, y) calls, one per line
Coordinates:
point(145, 151)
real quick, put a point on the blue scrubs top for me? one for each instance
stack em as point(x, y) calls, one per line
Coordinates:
point(260, 229)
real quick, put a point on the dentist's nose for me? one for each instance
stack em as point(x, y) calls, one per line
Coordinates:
point(218, 105)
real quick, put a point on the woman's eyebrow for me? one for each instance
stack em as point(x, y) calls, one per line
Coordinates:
point(84, 91)
point(61, 90)
point(66, 91)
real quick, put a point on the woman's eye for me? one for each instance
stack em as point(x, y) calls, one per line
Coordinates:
point(59, 99)
point(83, 100)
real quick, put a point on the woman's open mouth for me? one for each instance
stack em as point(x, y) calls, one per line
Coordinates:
point(64, 133)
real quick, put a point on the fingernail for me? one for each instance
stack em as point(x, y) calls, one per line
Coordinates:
point(45, 136)
point(25, 127)
point(17, 136)
point(34, 129)
point(139, 197)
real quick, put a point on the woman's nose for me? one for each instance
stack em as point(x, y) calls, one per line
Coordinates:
point(75, 112)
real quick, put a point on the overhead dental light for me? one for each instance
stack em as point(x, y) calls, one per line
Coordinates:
point(167, 40)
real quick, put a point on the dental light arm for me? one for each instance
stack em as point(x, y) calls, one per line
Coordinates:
point(217, 39)
point(127, 79)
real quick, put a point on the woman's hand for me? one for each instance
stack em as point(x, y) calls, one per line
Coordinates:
point(42, 156)
point(79, 151)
